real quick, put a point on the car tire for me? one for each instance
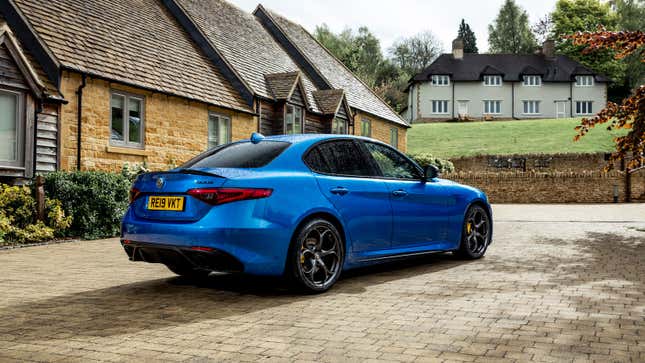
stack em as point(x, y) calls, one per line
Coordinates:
point(476, 233)
point(316, 256)
point(187, 271)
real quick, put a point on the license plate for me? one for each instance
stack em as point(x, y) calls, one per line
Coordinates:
point(166, 203)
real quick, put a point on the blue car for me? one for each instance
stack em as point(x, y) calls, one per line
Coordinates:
point(304, 206)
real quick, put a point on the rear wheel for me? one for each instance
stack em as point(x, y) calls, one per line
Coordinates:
point(476, 233)
point(316, 256)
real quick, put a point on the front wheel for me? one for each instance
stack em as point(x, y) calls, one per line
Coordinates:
point(476, 234)
point(316, 256)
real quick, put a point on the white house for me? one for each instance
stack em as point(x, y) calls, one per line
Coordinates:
point(504, 86)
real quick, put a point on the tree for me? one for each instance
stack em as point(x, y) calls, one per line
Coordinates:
point(543, 28)
point(360, 52)
point(571, 16)
point(415, 53)
point(468, 37)
point(630, 114)
point(631, 16)
point(510, 31)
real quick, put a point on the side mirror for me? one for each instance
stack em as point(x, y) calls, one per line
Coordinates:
point(430, 172)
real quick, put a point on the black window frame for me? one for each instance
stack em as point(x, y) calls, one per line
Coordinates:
point(378, 168)
point(374, 170)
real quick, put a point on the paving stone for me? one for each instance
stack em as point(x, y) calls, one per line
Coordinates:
point(546, 291)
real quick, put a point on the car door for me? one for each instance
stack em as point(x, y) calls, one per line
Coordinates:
point(421, 210)
point(343, 172)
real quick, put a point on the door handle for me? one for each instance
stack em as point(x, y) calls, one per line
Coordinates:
point(339, 191)
point(399, 193)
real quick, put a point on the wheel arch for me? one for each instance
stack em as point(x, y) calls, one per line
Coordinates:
point(487, 208)
point(323, 214)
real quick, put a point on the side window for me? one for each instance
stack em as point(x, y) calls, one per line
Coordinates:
point(392, 163)
point(339, 158)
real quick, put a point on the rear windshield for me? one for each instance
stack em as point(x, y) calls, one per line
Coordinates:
point(239, 155)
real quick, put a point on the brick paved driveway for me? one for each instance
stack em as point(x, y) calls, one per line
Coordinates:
point(558, 284)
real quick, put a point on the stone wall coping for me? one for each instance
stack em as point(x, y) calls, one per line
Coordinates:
point(531, 156)
point(531, 174)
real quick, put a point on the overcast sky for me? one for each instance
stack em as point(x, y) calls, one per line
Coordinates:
point(393, 19)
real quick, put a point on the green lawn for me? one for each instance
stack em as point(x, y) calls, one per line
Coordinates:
point(453, 139)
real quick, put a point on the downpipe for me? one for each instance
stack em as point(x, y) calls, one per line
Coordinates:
point(79, 111)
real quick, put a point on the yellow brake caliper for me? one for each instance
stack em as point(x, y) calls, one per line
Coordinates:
point(469, 227)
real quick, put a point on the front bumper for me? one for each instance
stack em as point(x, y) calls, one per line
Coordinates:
point(196, 258)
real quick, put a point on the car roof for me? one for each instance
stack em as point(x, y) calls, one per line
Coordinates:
point(312, 138)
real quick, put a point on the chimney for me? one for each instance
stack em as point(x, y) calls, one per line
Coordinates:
point(548, 48)
point(458, 48)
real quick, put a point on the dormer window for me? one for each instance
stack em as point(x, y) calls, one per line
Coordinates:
point(584, 81)
point(440, 80)
point(492, 80)
point(293, 119)
point(532, 81)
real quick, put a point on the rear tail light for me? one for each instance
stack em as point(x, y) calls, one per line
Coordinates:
point(134, 194)
point(217, 196)
point(202, 249)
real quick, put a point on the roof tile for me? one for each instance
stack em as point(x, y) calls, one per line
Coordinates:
point(359, 95)
point(131, 41)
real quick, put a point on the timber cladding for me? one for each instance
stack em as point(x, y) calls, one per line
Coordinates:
point(553, 187)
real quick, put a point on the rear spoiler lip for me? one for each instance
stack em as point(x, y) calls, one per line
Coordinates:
point(179, 171)
point(195, 172)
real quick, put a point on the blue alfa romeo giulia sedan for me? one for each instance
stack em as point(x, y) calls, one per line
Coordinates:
point(305, 206)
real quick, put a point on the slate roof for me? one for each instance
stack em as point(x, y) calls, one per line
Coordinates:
point(359, 95)
point(282, 84)
point(329, 100)
point(511, 66)
point(137, 42)
point(243, 42)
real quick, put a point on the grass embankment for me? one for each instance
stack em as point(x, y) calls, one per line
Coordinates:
point(546, 136)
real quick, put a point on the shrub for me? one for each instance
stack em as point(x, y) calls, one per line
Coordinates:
point(96, 200)
point(133, 171)
point(17, 216)
point(425, 159)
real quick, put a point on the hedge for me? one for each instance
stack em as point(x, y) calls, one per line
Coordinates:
point(95, 200)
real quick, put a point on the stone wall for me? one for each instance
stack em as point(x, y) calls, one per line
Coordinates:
point(554, 187)
point(532, 162)
point(176, 129)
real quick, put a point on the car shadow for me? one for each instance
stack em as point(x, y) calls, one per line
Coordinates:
point(170, 302)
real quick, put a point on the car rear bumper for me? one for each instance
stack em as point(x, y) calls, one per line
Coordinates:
point(208, 259)
point(259, 246)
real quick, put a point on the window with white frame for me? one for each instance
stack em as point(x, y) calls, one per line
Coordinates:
point(440, 80)
point(126, 119)
point(584, 81)
point(440, 106)
point(492, 107)
point(366, 127)
point(394, 137)
point(338, 126)
point(11, 128)
point(531, 107)
point(532, 81)
point(584, 107)
point(219, 130)
point(492, 80)
point(293, 119)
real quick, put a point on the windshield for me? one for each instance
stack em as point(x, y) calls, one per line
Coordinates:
point(239, 155)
